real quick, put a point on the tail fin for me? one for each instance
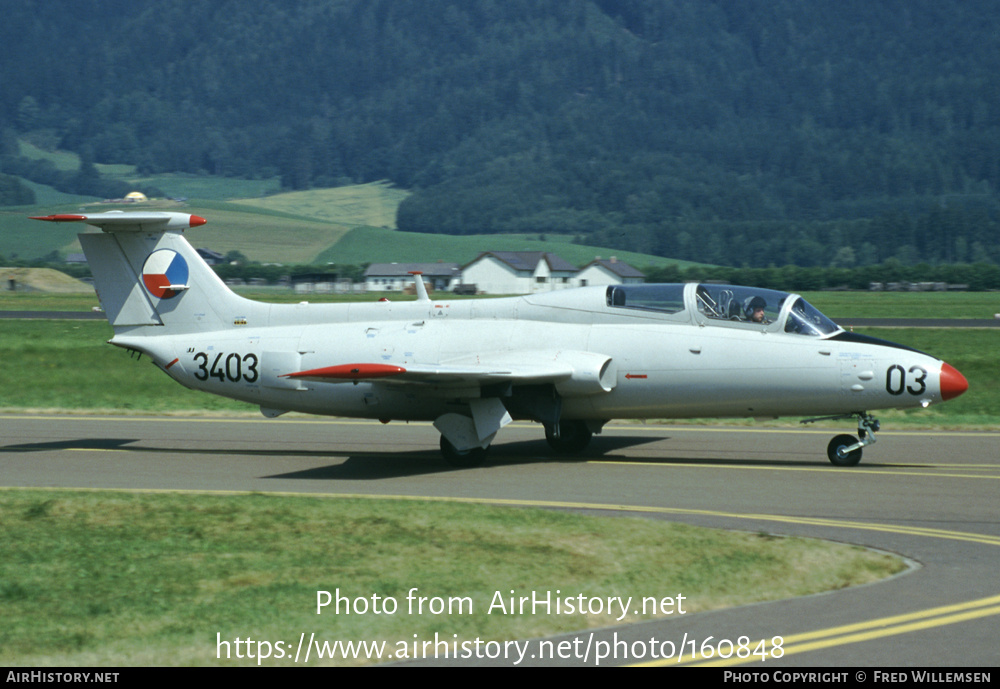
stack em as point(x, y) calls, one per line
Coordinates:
point(147, 274)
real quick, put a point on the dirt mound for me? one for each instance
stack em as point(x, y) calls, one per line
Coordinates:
point(42, 280)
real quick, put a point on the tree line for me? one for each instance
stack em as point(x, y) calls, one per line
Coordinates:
point(747, 133)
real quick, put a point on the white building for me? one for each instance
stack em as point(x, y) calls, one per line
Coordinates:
point(608, 272)
point(518, 272)
point(394, 277)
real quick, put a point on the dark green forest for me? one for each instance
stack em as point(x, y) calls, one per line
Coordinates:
point(736, 132)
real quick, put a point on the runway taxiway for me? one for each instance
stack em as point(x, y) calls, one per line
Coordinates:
point(928, 496)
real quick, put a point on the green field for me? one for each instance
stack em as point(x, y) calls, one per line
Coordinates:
point(46, 301)
point(979, 305)
point(104, 578)
point(67, 365)
point(371, 205)
point(263, 237)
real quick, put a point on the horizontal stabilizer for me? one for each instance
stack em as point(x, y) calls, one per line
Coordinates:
point(131, 221)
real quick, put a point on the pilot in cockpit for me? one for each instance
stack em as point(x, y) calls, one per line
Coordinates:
point(755, 310)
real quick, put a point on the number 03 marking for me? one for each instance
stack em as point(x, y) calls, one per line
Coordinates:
point(895, 380)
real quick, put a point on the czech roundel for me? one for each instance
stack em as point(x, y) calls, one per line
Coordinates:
point(163, 269)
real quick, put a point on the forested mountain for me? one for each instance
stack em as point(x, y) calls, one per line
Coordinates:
point(744, 132)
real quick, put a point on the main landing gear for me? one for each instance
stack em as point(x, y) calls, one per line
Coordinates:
point(462, 459)
point(845, 450)
point(568, 437)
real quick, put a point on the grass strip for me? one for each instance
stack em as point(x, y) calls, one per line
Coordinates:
point(102, 577)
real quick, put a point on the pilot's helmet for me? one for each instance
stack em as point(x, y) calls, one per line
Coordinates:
point(755, 303)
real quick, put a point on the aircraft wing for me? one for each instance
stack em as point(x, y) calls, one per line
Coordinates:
point(570, 372)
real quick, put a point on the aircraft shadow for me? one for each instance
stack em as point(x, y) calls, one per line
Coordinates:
point(367, 465)
point(376, 464)
point(81, 444)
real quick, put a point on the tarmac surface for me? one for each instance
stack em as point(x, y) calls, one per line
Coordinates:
point(930, 497)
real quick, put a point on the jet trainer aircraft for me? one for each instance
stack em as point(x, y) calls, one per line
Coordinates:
point(571, 360)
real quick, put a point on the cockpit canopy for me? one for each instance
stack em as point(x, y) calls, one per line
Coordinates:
point(727, 305)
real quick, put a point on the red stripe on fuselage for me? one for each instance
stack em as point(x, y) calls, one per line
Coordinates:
point(350, 372)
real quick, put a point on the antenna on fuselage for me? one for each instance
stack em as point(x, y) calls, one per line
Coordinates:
point(420, 286)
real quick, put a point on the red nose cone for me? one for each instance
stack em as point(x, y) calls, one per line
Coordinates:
point(953, 383)
point(197, 220)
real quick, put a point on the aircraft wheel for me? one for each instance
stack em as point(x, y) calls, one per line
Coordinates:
point(573, 437)
point(833, 451)
point(462, 459)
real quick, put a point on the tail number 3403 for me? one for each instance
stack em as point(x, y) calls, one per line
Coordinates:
point(232, 367)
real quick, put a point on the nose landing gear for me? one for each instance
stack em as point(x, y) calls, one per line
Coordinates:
point(845, 450)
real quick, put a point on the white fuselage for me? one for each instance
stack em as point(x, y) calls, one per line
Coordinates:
point(676, 365)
